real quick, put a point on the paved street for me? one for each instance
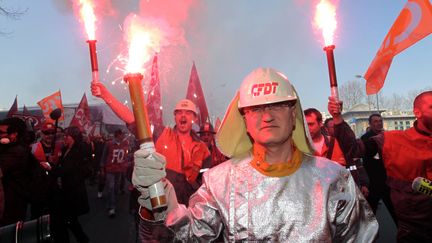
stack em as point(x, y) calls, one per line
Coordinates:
point(102, 229)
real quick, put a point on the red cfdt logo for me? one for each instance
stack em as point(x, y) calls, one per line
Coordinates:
point(264, 89)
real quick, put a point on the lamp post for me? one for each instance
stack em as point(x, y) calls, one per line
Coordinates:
point(376, 95)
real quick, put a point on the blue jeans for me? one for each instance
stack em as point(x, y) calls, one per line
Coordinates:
point(112, 186)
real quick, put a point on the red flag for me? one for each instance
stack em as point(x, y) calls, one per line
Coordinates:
point(153, 103)
point(13, 109)
point(413, 24)
point(195, 94)
point(34, 120)
point(50, 103)
point(217, 124)
point(81, 118)
point(26, 112)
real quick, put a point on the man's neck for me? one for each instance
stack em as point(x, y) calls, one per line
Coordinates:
point(184, 136)
point(318, 138)
point(422, 129)
point(279, 153)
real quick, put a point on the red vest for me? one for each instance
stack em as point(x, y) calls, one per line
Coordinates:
point(117, 156)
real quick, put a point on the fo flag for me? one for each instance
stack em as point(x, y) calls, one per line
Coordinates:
point(81, 118)
point(13, 109)
point(153, 103)
point(413, 24)
point(196, 95)
point(50, 103)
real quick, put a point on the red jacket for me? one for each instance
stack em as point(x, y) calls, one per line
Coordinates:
point(407, 154)
point(177, 159)
point(337, 154)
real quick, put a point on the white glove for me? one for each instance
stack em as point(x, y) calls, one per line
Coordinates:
point(149, 168)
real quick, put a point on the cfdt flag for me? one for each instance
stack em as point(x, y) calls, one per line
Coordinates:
point(13, 109)
point(413, 24)
point(50, 103)
point(153, 102)
point(81, 118)
point(196, 95)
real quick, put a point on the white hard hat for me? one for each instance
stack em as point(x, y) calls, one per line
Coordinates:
point(186, 104)
point(265, 86)
point(232, 138)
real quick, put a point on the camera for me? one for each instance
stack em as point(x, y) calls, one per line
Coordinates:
point(33, 231)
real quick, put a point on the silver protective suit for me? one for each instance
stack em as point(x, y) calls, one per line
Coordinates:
point(317, 203)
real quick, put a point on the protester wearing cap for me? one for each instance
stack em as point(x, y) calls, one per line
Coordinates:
point(272, 189)
point(207, 135)
point(185, 153)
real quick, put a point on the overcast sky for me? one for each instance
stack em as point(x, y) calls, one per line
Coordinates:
point(45, 50)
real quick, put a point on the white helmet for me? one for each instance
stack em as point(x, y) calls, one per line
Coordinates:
point(265, 86)
point(262, 86)
point(186, 104)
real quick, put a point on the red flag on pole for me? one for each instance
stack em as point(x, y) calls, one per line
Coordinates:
point(413, 24)
point(81, 118)
point(217, 124)
point(153, 103)
point(195, 94)
point(13, 109)
point(26, 112)
point(51, 103)
point(34, 120)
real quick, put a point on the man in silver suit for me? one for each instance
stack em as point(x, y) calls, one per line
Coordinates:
point(271, 190)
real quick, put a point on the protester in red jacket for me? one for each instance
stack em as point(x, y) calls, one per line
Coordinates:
point(408, 155)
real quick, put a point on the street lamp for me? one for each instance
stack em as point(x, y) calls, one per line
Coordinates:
point(376, 95)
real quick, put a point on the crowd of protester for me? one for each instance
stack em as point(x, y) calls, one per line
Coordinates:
point(46, 170)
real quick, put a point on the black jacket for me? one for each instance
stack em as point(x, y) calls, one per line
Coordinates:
point(70, 194)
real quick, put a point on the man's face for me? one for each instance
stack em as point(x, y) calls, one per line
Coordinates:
point(270, 125)
point(424, 112)
point(47, 137)
point(314, 126)
point(3, 131)
point(207, 137)
point(330, 128)
point(184, 120)
point(120, 137)
point(376, 124)
point(68, 140)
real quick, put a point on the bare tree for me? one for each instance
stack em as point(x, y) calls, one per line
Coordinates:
point(395, 102)
point(410, 96)
point(352, 93)
point(12, 14)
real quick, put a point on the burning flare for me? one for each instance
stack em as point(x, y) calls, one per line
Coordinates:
point(144, 40)
point(325, 19)
point(88, 17)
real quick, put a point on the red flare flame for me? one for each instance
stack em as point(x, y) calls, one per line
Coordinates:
point(87, 15)
point(325, 19)
point(144, 39)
